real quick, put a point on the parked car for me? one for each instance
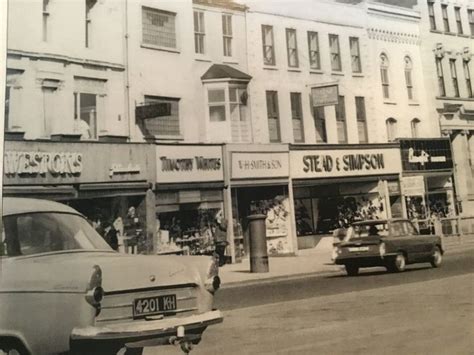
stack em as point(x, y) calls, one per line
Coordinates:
point(63, 289)
point(389, 243)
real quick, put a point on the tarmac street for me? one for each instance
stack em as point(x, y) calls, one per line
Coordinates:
point(420, 311)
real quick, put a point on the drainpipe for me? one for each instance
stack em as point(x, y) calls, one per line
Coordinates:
point(128, 116)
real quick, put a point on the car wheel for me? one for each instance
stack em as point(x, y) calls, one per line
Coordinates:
point(437, 258)
point(399, 263)
point(352, 270)
point(12, 347)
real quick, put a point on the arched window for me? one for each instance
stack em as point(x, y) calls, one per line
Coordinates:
point(408, 77)
point(415, 125)
point(384, 76)
point(391, 124)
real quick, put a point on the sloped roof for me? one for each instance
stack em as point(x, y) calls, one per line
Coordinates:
point(222, 71)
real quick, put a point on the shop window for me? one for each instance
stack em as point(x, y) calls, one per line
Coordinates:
point(391, 125)
point(297, 117)
point(415, 124)
point(431, 15)
point(384, 76)
point(454, 77)
point(227, 34)
point(341, 120)
point(408, 78)
point(320, 124)
point(292, 48)
point(268, 46)
point(335, 52)
point(273, 116)
point(444, 12)
point(199, 32)
point(355, 54)
point(457, 12)
point(313, 49)
point(46, 15)
point(439, 72)
point(158, 28)
point(163, 125)
point(216, 99)
point(467, 77)
point(361, 119)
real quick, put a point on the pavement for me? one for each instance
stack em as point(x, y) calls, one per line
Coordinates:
point(312, 261)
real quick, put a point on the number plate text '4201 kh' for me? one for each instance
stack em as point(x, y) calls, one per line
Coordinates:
point(153, 305)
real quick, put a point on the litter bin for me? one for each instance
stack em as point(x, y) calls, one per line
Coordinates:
point(258, 243)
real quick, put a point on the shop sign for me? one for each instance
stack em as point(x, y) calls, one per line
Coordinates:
point(259, 165)
point(325, 95)
point(23, 163)
point(196, 163)
point(426, 154)
point(344, 162)
point(121, 169)
point(413, 185)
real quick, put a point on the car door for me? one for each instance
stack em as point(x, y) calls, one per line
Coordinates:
point(424, 244)
point(403, 240)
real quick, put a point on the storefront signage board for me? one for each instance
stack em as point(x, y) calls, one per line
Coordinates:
point(32, 163)
point(426, 154)
point(413, 185)
point(310, 164)
point(255, 165)
point(325, 95)
point(188, 163)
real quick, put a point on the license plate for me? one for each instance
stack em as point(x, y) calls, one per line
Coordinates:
point(153, 305)
point(357, 249)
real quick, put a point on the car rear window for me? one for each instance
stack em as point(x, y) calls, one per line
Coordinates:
point(370, 229)
point(36, 233)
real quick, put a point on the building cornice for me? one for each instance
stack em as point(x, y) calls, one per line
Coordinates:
point(393, 36)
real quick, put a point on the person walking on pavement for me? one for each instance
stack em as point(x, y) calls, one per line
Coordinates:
point(220, 237)
point(110, 235)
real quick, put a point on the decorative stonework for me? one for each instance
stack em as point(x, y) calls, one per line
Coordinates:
point(439, 50)
point(392, 36)
point(466, 54)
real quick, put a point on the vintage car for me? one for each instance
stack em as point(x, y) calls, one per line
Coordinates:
point(392, 244)
point(64, 290)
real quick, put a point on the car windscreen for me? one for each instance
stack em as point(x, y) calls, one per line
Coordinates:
point(370, 229)
point(36, 233)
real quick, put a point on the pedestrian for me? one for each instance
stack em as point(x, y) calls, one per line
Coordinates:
point(220, 237)
point(110, 235)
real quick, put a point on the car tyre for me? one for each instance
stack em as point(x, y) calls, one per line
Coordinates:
point(12, 347)
point(352, 270)
point(398, 264)
point(436, 258)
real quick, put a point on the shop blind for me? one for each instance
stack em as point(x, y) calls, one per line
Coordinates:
point(189, 196)
point(167, 198)
point(211, 195)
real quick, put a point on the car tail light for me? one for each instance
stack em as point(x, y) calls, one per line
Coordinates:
point(95, 292)
point(213, 282)
point(382, 250)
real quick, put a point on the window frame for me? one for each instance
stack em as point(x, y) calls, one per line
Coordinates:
point(361, 117)
point(335, 56)
point(154, 43)
point(199, 32)
point(227, 36)
point(275, 117)
point(341, 117)
point(409, 78)
point(355, 56)
point(445, 16)
point(46, 14)
point(316, 110)
point(457, 16)
point(470, 17)
point(440, 75)
point(297, 114)
point(385, 76)
point(414, 126)
point(454, 76)
point(467, 78)
point(171, 100)
point(217, 103)
point(431, 15)
point(292, 52)
point(270, 46)
point(314, 51)
point(391, 125)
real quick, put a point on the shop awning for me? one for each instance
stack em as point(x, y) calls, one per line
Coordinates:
point(191, 186)
point(429, 173)
point(259, 182)
point(98, 190)
point(60, 192)
point(343, 180)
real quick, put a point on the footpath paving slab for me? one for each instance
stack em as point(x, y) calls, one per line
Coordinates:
point(315, 261)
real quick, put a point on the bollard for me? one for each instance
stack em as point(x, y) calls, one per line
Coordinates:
point(258, 243)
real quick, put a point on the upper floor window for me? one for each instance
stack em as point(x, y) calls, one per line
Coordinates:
point(12, 97)
point(467, 76)
point(384, 76)
point(268, 46)
point(199, 32)
point(444, 11)
point(439, 73)
point(89, 5)
point(391, 125)
point(415, 123)
point(45, 19)
point(341, 120)
point(355, 54)
point(454, 76)
point(470, 16)
point(292, 47)
point(273, 116)
point(158, 28)
point(457, 12)
point(335, 52)
point(320, 124)
point(361, 119)
point(431, 15)
point(313, 49)
point(408, 78)
point(163, 125)
point(217, 102)
point(297, 117)
point(227, 34)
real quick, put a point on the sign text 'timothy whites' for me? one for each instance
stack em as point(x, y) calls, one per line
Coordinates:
point(189, 164)
point(41, 163)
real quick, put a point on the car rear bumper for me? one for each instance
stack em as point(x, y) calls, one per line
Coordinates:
point(365, 261)
point(146, 333)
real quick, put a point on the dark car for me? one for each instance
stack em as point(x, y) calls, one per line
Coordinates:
point(392, 244)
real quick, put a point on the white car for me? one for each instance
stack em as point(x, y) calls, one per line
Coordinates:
point(63, 289)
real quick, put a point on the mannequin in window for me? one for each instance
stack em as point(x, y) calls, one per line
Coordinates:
point(82, 127)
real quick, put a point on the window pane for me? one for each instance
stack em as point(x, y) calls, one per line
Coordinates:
point(313, 46)
point(217, 113)
point(319, 124)
point(216, 95)
point(267, 41)
point(88, 114)
point(273, 119)
point(158, 28)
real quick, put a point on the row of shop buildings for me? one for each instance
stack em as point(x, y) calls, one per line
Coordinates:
point(306, 191)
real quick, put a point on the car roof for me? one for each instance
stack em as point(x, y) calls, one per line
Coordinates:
point(378, 221)
point(19, 205)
